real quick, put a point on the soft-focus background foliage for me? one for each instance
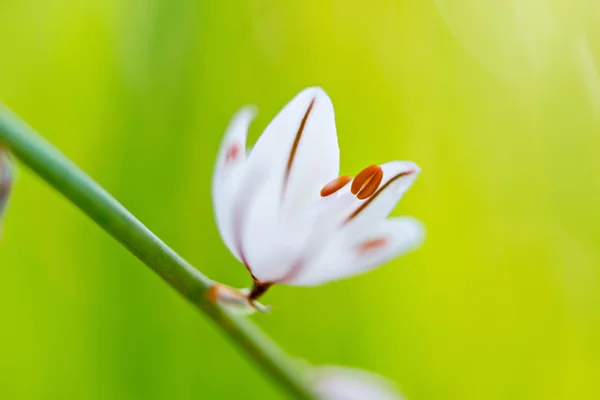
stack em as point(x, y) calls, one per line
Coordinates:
point(498, 101)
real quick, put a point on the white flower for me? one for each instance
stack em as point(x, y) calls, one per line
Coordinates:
point(338, 383)
point(285, 214)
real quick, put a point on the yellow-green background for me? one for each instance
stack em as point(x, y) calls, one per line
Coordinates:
point(497, 101)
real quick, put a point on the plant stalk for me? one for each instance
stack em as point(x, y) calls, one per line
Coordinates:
point(65, 177)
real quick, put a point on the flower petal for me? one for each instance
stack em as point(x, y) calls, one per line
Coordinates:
point(229, 173)
point(393, 238)
point(300, 148)
point(338, 383)
point(293, 159)
point(346, 256)
point(272, 242)
point(280, 246)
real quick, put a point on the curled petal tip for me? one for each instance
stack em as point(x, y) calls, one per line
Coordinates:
point(249, 111)
point(413, 168)
point(315, 92)
point(408, 167)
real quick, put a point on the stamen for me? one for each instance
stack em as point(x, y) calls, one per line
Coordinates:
point(335, 185)
point(367, 182)
point(233, 153)
point(373, 244)
point(364, 205)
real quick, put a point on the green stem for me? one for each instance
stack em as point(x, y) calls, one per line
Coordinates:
point(53, 167)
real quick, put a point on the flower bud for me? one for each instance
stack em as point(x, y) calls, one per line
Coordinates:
point(237, 301)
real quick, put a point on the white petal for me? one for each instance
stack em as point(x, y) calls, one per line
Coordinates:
point(229, 173)
point(293, 159)
point(283, 246)
point(337, 383)
point(345, 256)
point(272, 242)
point(300, 148)
point(393, 238)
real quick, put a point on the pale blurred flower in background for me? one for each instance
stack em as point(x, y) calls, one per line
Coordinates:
point(6, 181)
point(340, 383)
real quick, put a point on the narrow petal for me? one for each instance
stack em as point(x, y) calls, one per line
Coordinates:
point(300, 148)
point(346, 256)
point(272, 243)
point(293, 159)
point(393, 238)
point(229, 173)
point(338, 383)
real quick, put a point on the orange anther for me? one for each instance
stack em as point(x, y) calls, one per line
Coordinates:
point(367, 182)
point(372, 244)
point(335, 185)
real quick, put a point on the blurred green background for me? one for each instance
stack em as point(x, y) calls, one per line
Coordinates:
point(498, 102)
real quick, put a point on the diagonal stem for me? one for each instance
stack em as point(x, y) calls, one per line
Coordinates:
point(53, 167)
